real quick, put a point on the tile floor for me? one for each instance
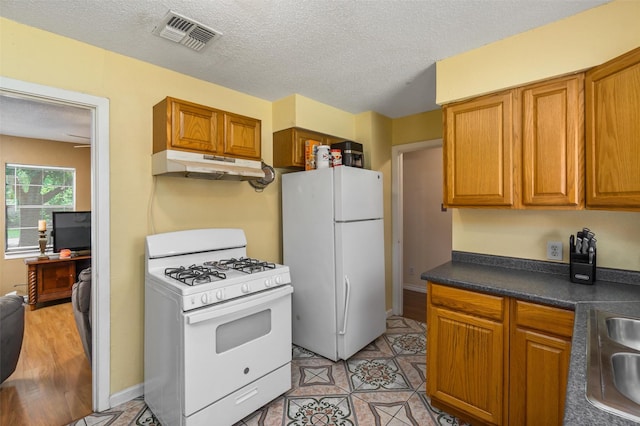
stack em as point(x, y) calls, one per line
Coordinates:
point(382, 385)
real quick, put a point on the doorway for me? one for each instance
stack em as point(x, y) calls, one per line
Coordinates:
point(417, 207)
point(100, 234)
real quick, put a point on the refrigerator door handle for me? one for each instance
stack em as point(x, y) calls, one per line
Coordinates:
point(346, 305)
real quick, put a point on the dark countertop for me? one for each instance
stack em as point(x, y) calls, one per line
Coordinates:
point(578, 410)
point(548, 283)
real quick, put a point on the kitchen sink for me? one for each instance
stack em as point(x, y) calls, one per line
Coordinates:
point(626, 375)
point(625, 331)
point(613, 357)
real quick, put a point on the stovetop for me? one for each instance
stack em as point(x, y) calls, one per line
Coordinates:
point(202, 267)
point(211, 271)
point(197, 283)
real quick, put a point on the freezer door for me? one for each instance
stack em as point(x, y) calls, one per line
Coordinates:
point(358, 194)
point(360, 289)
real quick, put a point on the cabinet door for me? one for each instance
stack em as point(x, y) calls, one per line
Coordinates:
point(613, 133)
point(289, 145)
point(465, 363)
point(194, 127)
point(55, 280)
point(478, 152)
point(540, 345)
point(242, 136)
point(552, 138)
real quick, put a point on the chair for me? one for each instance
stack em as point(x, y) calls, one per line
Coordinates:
point(11, 333)
point(81, 303)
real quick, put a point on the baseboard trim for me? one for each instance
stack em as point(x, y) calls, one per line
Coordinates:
point(126, 395)
point(415, 288)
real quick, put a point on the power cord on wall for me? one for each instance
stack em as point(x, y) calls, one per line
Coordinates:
point(150, 206)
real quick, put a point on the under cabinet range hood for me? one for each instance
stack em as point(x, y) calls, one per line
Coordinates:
point(205, 166)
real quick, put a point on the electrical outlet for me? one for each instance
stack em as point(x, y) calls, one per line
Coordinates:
point(554, 250)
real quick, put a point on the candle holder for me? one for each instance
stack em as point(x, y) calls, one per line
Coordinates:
point(43, 245)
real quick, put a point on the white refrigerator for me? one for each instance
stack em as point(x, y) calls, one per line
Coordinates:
point(333, 243)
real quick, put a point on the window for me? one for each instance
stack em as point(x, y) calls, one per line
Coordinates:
point(32, 193)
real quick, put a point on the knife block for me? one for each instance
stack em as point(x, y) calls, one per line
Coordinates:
point(580, 270)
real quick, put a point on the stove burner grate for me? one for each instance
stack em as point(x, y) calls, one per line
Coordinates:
point(244, 264)
point(194, 274)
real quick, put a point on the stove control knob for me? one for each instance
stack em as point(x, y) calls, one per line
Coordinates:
point(245, 288)
point(267, 282)
point(205, 298)
point(278, 279)
point(219, 294)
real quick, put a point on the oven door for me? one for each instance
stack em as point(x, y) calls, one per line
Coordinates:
point(230, 345)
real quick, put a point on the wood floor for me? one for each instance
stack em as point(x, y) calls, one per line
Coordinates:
point(52, 382)
point(414, 305)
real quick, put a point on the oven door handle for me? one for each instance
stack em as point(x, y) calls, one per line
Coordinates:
point(212, 312)
point(347, 286)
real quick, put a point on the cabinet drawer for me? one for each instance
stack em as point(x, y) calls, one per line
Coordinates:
point(473, 303)
point(543, 318)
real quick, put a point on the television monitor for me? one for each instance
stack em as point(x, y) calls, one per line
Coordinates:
point(71, 230)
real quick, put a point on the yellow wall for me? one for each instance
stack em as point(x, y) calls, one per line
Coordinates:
point(299, 111)
point(424, 126)
point(133, 87)
point(575, 43)
point(578, 42)
point(374, 132)
point(40, 152)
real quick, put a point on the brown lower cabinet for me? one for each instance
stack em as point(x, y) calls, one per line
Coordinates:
point(496, 360)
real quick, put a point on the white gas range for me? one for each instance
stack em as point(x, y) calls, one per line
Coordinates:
point(217, 328)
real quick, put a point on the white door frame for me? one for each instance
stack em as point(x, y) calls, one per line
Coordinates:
point(397, 154)
point(100, 232)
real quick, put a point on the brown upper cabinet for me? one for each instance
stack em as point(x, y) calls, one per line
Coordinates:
point(521, 148)
point(288, 146)
point(478, 152)
point(552, 143)
point(613, 133)
point(186, 126)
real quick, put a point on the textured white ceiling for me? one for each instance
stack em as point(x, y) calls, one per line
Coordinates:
point(36, 119)
point(376, 55)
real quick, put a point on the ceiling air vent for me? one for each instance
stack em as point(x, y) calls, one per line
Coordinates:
point(185, 31)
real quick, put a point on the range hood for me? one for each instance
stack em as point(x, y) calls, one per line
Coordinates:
point(205, 166)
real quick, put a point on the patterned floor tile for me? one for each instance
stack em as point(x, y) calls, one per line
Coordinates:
point(368, 375)
point(271, 414)
point(440, 417)
point(318, 376)
point(408, 343)
point(384, 384)
point(134, 412)
point(378, 408)
point(404, 325)
point(300, 352)
point(414, 368)
point(331, 410)
point(416, 412)
point(379, 348)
